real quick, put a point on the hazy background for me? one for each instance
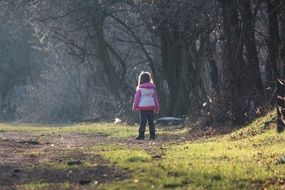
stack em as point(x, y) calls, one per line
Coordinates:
point(78, 60)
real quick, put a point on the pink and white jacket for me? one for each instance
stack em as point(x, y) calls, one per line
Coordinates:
point(146, 98)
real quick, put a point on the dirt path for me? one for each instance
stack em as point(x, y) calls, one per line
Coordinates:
point(26, 158)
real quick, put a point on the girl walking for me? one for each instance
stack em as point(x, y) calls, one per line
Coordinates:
point(147, 103)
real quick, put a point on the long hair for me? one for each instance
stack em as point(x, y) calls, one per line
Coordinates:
point(144, 77)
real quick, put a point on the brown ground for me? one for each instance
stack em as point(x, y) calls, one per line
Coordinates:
point(25, 157)
point(23, 160)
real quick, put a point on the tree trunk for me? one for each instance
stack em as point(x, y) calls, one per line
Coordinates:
point(109, 69)
point(282, 49)
point(250, 46)
point(196, 70)
point(233, 63)
point(171, 61)
point(280, 106)
point(273, 42)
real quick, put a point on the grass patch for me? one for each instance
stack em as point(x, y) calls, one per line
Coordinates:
point(217, 163)
point(33, 154)
point(245, 159)
point(126, 157)
point(44, 186)
point(107, 129)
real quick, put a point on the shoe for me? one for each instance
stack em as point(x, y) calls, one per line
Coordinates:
point(152, 135)
point(140, 138)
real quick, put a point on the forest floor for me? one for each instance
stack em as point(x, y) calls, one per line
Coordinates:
point(106, 156)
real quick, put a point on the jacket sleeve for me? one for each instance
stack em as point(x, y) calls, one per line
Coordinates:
point(156, 100)
point(136, 100)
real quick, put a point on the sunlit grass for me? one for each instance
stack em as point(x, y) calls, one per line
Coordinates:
point(43, 186)
point(216, 163)
point(108, 129)
point(245, 159)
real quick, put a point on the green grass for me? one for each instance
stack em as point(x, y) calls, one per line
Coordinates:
point(108, 129)
point(244, 159)
point(42, 186)
point(218, 163)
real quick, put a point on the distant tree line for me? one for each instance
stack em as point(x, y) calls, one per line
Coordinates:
point(80, 58)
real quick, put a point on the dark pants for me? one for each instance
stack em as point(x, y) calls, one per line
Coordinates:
point(147, 116)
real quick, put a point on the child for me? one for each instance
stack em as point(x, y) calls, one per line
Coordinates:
point(146, 102)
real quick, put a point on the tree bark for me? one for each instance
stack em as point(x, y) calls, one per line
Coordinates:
point(273, 41)
point(109, 69)
point(171, 61)
point(250, 46)
point(233, 63)
point(282, 49)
